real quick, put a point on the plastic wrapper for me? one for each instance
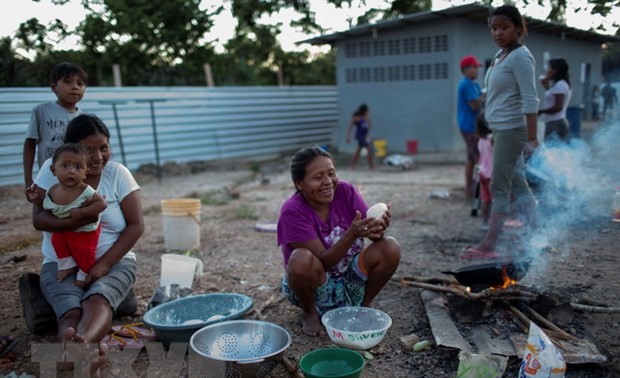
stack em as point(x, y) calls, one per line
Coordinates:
point(167, 293)
point(541, 358)
point(481, 366)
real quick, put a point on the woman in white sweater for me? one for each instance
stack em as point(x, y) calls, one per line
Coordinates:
point(556, 100)
point(511, 111)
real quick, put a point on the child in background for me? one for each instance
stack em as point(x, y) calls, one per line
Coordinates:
point(361, 122)
point(48, 121)
point(72, 198)
point(485, 166)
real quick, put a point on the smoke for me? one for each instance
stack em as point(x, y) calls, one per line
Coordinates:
point(574, 184)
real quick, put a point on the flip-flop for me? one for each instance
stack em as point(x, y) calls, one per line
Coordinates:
point(513, 223)
point(11, 342)
point(134, 330)
point(121, 342)
point(472, 253)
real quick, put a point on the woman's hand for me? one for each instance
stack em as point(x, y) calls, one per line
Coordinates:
point(361, 228)
point(531, 147)
point(100, 269)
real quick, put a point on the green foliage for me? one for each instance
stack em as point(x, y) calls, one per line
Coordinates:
point(244, 212)
point(164, 43)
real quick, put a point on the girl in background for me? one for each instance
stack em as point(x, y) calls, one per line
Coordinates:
point(361, 122)
point(485, 167)
point(557, 97)
point(511, 110)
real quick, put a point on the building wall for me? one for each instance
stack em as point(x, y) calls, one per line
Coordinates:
point(191, 123)
point(424, 107)
point(401, 86)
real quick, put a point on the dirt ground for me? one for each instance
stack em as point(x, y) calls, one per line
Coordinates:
point(432, 233)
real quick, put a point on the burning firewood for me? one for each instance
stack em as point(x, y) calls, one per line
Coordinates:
point(512, 293)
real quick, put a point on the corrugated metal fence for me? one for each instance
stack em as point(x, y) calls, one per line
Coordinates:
point(183, 124)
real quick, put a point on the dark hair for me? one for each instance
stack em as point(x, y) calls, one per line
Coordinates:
point(362, 109)
point(515, 17)
point(302, 158)
point(482, 126)
point(65, 70)
point(83, 126)
point(75, 148)
point(560, 66)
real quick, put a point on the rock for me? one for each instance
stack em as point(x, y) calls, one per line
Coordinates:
point(408, 341)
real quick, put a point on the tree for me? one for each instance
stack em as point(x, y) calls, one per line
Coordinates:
point(164, 43)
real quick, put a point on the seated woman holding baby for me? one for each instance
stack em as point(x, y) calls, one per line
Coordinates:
point(84, 311)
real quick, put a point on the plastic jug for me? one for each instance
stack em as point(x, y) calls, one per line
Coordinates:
point(179, 269)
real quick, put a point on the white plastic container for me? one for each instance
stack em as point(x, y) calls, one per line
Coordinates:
point(181, 223)
point(179, 269)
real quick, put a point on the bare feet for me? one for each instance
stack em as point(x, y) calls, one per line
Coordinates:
point(312, 325)
point(94, 361)
point(62, 274)
point(79, 351)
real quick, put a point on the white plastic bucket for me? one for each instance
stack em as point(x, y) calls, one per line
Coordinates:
point(179, 269)
point(181, 223)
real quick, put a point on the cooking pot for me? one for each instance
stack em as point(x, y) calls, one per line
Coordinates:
point(483, 276)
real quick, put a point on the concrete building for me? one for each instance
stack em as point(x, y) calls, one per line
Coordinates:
point(407, 71)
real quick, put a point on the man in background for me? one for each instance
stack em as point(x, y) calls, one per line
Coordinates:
point(469, 102)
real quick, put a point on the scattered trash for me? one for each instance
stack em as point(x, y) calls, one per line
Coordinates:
point(481, 366)
point(421, 345)
point(266, 226)
point(15, 259)
point(15, 375)
point(168, 293)
point(405, 162)
point(439, 194)
point(368, 355)
point(541, 358)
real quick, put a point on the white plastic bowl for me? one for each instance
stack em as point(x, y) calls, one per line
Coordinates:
point(358, 328)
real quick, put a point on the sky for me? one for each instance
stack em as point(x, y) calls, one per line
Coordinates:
point(329, 17)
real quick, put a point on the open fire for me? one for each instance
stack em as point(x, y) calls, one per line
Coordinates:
point(496, 275)
point(507, 280)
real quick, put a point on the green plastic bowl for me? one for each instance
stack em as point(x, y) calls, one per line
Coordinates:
point(332, 363)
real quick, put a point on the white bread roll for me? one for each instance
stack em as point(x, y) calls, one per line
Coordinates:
point(376, 211)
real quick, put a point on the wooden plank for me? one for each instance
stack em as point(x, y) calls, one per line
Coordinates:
point(444, 330)
point(488, 343)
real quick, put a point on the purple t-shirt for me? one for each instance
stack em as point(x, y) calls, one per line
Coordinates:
point(299, 223)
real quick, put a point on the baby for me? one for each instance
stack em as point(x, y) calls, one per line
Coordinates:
point(73, 198)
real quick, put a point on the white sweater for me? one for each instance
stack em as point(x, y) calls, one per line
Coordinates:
point(511, 90)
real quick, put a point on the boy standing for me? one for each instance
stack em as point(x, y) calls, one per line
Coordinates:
point(48, 121)
point(468, 104)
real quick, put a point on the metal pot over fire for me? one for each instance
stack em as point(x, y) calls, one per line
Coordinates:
point(494, 274)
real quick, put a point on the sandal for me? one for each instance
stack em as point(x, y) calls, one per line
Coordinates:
point(121, 342)
point(134, 330)
point(7, 344)
point(472, 253)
